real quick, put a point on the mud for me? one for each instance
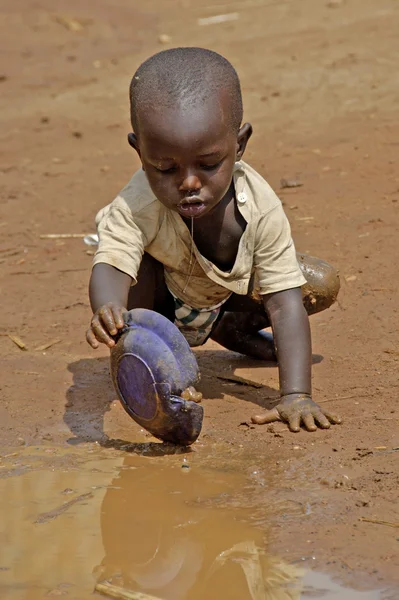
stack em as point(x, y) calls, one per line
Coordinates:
point(320, 88)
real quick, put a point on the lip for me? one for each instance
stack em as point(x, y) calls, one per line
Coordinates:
point(191, 208)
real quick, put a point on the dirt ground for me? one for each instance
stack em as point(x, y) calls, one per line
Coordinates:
point(320, 84)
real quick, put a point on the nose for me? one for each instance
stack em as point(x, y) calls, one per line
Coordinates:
point(191, 183)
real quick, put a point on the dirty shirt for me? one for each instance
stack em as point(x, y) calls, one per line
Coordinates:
point(136, 222)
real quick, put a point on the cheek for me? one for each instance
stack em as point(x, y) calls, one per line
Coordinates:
point(163, 188)
point(221, 180)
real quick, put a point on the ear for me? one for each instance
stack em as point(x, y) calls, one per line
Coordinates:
point(133, 142)
point(242, 139)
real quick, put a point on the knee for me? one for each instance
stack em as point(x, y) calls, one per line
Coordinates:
point(322, 283)
point(238, 326)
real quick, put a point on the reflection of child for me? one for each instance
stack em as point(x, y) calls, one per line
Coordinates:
point(164, 538)
point(202, 237)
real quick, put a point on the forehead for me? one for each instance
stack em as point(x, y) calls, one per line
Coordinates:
point(194, 128)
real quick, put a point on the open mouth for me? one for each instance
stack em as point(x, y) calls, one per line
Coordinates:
point(191, 209)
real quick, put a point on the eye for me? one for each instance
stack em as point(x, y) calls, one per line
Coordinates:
point(166, 171)
point(212, 167)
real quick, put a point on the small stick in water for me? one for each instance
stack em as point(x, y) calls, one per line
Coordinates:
point(113, 591)
point(56, 512)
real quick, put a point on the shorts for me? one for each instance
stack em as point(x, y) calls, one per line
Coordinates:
point(196, 324)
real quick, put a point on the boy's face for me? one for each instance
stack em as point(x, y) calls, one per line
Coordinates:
point(188, 155)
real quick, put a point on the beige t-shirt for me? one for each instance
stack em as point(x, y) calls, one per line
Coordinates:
point(136, 222)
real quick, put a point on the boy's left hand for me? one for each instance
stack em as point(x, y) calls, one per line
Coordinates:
point(297, 410)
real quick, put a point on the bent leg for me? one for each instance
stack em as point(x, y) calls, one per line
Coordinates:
point(239, 328)
point(242, 332)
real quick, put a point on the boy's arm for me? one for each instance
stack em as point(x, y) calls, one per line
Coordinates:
point(291, 331)
point(108, 291)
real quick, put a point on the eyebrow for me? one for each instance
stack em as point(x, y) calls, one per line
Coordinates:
point(216, 152)
point(206, 155)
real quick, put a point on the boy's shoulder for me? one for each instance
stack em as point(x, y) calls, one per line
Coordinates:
point(263, 197)
point(134, 203)
point(136, 195)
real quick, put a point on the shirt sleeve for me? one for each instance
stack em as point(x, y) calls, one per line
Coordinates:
point(275, 261)
point(121, 241)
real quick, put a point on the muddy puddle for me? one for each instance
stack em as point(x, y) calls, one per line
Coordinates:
point(174, 527)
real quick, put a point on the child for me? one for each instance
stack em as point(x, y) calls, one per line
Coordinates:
point(198, 236)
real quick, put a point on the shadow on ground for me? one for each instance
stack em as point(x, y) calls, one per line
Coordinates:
point(89, 398)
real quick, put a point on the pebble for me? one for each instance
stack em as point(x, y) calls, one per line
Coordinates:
point(334, 3)
point(164, 38)
point(185, 464)
point(55, 592)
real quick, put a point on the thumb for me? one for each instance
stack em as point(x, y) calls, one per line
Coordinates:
point(268, 417)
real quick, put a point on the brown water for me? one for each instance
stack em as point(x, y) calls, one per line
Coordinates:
point(167, 526)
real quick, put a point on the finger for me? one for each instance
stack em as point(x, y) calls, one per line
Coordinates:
point(268, 417)
point(197, 396)
point(91, 339)
point(308, 421)
point(335, 419)
point(117, 313)
point(321, 420)
point(192, 394)
point(294, 422)
point(107, 317)
point(100, 333)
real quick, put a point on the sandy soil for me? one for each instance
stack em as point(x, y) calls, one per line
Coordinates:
point(320, 87)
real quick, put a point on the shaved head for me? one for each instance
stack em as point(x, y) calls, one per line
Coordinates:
point(185, 78)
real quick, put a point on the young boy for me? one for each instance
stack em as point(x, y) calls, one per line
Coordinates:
point(198, 236)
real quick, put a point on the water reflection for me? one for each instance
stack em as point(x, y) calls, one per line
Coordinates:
point(149, 525)
point(162, 537)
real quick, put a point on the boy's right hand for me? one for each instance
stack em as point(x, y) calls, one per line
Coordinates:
point(104, 324)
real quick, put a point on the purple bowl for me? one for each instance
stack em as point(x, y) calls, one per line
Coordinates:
point(151, 365)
